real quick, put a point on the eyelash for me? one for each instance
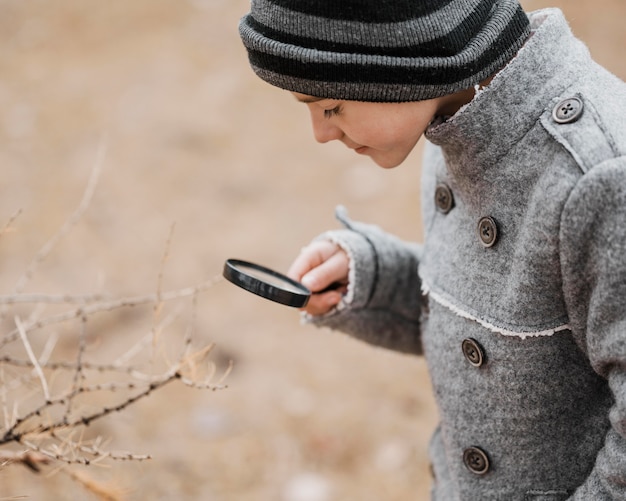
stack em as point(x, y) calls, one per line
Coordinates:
point(332, 112)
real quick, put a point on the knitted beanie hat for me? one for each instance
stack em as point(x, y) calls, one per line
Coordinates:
point(381, 50)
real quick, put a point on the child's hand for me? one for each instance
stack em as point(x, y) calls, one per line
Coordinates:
point(319, 265)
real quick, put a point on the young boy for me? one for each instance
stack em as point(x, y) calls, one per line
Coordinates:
point(517, 298)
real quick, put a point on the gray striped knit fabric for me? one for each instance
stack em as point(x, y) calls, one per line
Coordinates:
point(381, 50)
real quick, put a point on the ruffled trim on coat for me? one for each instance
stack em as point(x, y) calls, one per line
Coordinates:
point(485, 323)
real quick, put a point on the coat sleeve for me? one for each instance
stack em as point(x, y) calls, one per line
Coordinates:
point(593, 252)
point(383, 302)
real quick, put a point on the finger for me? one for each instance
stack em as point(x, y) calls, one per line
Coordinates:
point(333, 270)
point(310, 257)
point(319, 304)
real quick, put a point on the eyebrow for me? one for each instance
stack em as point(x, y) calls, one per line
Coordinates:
point(309, 99)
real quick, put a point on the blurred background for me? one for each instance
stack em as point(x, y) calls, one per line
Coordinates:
point(196, 142)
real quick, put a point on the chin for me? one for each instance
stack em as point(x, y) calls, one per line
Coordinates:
point(387, 163)
point(388, 159)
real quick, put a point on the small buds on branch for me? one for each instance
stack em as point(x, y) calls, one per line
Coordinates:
point(51, 391)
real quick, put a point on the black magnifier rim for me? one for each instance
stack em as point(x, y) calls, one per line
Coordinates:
point(233, 273)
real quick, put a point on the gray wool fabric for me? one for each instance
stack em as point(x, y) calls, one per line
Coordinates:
point(541, 413)
point(391, 51)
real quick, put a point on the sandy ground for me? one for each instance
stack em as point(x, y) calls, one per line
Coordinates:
point(194, 142)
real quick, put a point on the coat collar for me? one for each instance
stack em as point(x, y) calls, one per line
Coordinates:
point(486, 129)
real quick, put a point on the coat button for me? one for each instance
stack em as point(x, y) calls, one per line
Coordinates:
point(476, 460)
point(473, 352)
point(487, 231)
point(567, 111)
point(444, 201)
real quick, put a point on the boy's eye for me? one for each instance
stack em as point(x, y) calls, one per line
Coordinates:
point(332, 112)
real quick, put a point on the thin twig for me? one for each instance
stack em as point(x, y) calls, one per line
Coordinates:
point(158, 304)
point(33, 358)
point(79, 376)
point(112, 305)
point(145, 342)
point(103, 492)
point(48, 349)
point(91, 449)
point(134, 372)
point(30, 459)
point(51, 298)
point(129, 354)
point(186, 347)
point(12, 434)
point(7, 227)
point(166, 254)
point(3, 399)
point(86, 420)
point(70, 222)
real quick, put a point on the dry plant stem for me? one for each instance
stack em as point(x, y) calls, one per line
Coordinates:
point(7, 227)
point(70, 222)
point(111, 305)
point(54, 429)
point(31, 459)
point(52, 298)
point(186, 347)
point(48, 349)
point(102, 368)
point(144, 343)
point(96, 451)
point(66, 452)
point(3, 399)
point(103, 492)
point(8, 417)
point(79, 376)
point(33, 359)
point(14, 434)
point(158, 304)
point(71, 366)
point(208, 385)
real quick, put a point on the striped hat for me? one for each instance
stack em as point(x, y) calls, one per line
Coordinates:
point(381, 50)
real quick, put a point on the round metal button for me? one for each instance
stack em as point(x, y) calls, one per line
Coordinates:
point(476, 460)
point(473, 352)
point(567, 111)
point(444, 200)
point(487, 231)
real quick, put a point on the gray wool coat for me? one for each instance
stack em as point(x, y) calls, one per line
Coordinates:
point(517, 298)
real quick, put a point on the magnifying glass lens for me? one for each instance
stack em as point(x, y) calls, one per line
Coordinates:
point(266, 283)
point(271, 279)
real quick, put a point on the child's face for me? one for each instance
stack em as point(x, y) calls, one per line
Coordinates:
point(386, 132)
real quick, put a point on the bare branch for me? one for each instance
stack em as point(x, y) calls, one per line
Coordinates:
point(70, 222)
point(3, 399)
point(112, 305)
point(47, 404)
point(158, 304)
point(33, 358)
point(79, 376)
point(103, 492)
point(31, 459)
point(51, 298)
point(7, 227)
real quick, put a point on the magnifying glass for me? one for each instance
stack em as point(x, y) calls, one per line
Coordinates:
point(266, 283)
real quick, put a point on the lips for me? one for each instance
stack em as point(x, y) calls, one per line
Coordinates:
point(356, 147)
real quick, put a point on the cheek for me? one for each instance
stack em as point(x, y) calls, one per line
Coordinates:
point(398, 139)
point(401, 133)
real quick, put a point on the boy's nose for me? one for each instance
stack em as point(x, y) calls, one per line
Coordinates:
point(323, 130)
